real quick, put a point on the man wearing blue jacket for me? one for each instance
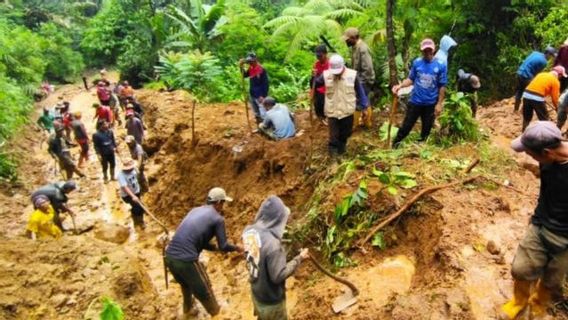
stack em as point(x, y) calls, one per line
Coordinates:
point(533, 65)
point(258, 85)
point(279, 122)
point(430, 78)
point(198, 227)
point(266, 260)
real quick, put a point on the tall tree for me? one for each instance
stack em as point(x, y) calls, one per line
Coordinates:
point(391, 44)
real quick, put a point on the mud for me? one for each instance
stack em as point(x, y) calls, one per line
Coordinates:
point(437, 264)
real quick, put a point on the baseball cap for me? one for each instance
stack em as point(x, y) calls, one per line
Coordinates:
point(427, 43)
point(321, 49)
point(350, 32)
point(336, 64)
point(218, 194)
point(269, 101)
point(69, 185)
point(251, 56)
point(550, 50)
point(560, 71)
point(129, 112)
point(538, 136)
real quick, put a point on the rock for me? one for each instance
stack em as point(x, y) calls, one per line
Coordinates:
point(493, 248)
point(114, 233)
point(58, 300)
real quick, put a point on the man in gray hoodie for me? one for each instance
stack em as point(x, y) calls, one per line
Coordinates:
point(266, 260)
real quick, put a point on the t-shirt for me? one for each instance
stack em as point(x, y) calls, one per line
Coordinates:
point(42, 225)
point(103, 93)
point(320, 68)
point(552, 208)
point(198, 227)
point(104, 113)
point(79, 131)
point(128, 179)
point(137, 151)
point(279, 118)
point(533, 64)
point(46, 121)
point(428, 77)
point(135, 128)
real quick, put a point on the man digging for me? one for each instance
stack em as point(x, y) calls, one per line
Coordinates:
point(192, 236)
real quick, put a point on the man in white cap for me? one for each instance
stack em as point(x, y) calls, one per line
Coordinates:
point(344, 94)
point(130, 192)
point(430, 78)
point(543, 85)
point(541, 262)
point(193, 235)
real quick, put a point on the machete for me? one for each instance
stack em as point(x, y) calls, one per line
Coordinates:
point(327, 43)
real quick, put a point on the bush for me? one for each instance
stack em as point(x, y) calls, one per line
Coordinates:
point(63, 64)
point(456, 122)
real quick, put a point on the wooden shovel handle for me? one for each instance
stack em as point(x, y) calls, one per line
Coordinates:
point(334, 277)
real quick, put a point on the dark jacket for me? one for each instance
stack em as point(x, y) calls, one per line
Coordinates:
point(54, 192)
point(58, 146)
point(198, 227)
point(258, 83)
point(266, 259)
point(104, 142)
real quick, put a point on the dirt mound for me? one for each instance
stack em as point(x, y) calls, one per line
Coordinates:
point(248, 166)
point(60, 279)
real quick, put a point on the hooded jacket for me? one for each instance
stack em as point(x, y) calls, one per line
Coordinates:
point(266, 259)
point(446, 43)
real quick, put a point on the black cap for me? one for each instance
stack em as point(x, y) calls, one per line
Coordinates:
point(251, 56)
point(69, 185)
point(321, 49)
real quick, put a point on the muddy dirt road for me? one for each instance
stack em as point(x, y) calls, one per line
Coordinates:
point(448, 259)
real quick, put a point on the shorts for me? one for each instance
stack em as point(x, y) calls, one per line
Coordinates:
point(84, 148)
point(66, 162)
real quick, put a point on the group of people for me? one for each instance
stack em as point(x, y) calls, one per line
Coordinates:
point(265, 256)
point(341, 94)
point(50, 201)
point(341, 101)
point(534, 85)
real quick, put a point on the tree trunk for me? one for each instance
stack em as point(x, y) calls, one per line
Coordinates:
point(390, 44)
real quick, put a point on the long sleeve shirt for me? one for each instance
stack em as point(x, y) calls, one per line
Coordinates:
point(195, 232)
point(544, 84)
point(258, 81)
point(533, 64)
point(104, 142)
point(362, 62)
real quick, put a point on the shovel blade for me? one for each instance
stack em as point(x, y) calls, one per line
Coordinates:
point(343, 302)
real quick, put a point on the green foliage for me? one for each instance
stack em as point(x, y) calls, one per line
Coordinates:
point(195, 72)
point(379, 240)
point(63, 63)
point(354, 201)
point(552, 30)
point(394, 179)
point(111, 310)
point(456, 121)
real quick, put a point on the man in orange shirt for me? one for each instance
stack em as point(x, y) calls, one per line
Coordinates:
point(543, 85)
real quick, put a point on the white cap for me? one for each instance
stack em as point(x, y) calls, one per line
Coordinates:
point(218, 194)
point(336, 64)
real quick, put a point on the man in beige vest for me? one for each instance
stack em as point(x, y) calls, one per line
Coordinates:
point(343, 93)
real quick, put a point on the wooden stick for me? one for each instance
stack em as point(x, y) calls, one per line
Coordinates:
point(472, 165)
point(391, 118)
point(245, 97)
point(351, 286)
point(410, 202)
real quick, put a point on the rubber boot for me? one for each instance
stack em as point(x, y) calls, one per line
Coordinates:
point(540, 300)
point(520, 300)
point(356, 119)
point(368, 118)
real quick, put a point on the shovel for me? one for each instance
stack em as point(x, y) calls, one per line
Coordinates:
point(345, 300)
point(165, 243)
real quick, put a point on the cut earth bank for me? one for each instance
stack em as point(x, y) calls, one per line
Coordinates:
point(447, 258)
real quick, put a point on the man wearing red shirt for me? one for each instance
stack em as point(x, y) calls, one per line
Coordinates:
point(102, 113)
point(321, 64)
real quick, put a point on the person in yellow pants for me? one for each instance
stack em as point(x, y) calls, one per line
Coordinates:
point(541, 262)
point(41, 224)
